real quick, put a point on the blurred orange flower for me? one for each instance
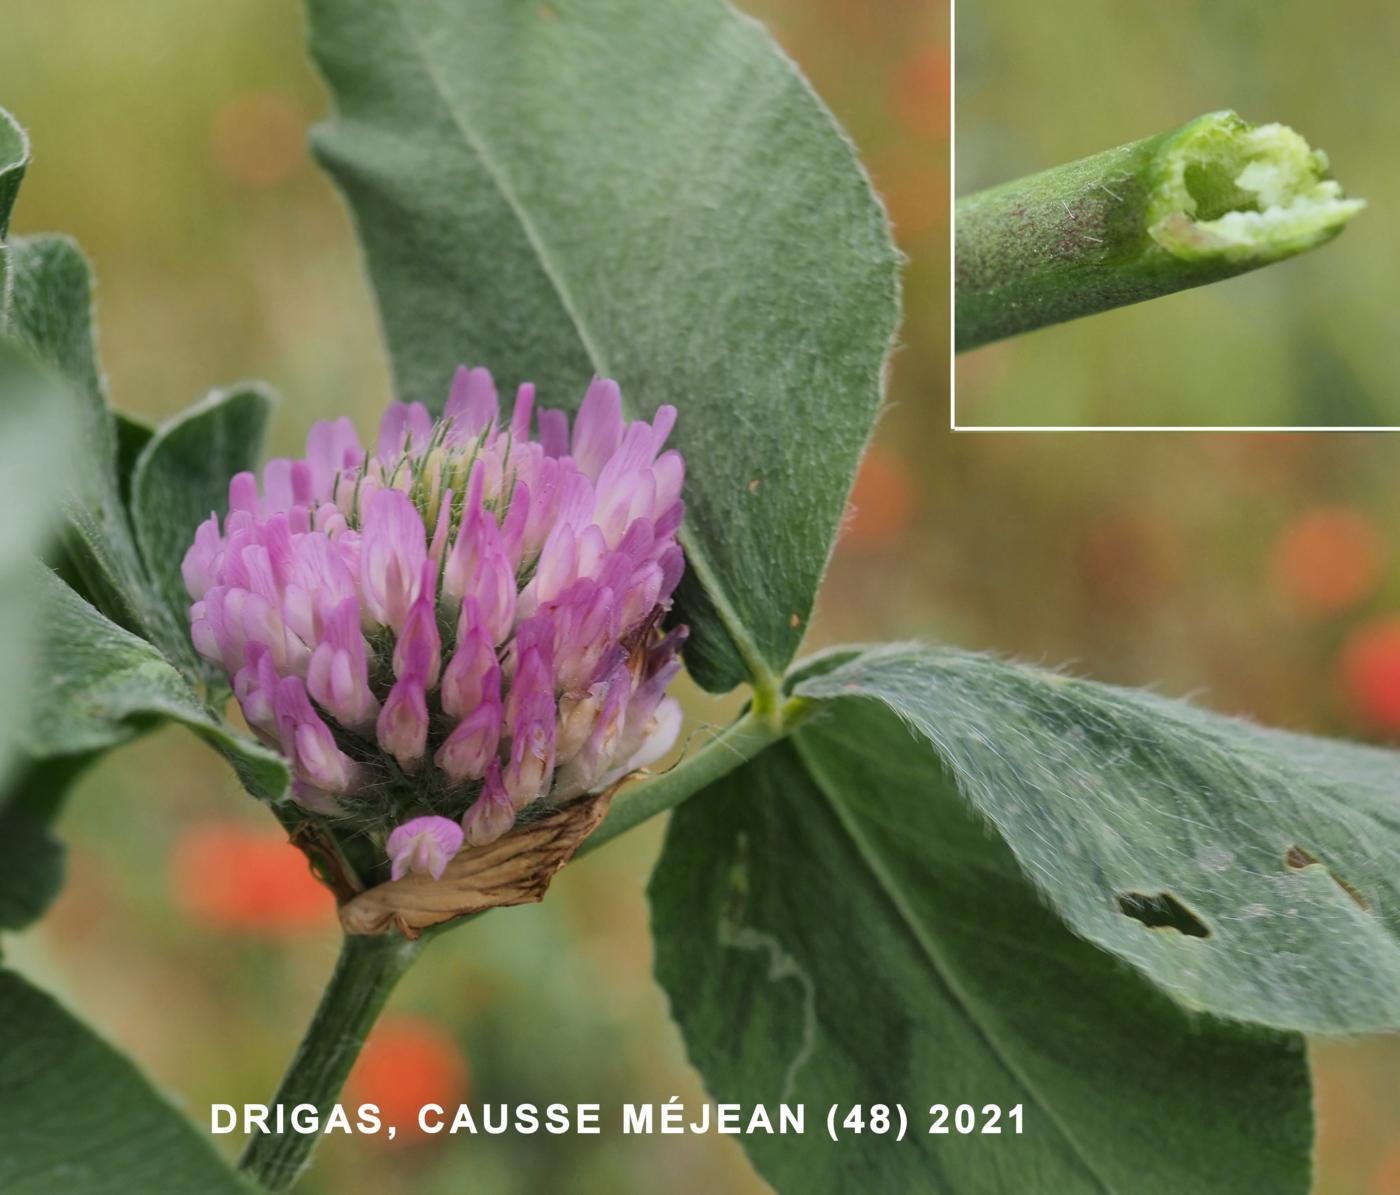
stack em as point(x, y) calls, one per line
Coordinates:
point(1130, 557)
point(230, 876)
point(258, 139)
point(1371, 672)
point(407, 1062)
point(1388, 1172)
point(1328, 558)
point(921, 91)
point(915, 192)
point(883, 501)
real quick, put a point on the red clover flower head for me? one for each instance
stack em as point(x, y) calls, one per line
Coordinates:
point(459, 623)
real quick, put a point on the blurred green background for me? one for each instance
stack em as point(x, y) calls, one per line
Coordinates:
point(1259, 573)
point(1311, 342)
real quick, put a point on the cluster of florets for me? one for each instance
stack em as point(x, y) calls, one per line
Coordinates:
point(459, 624)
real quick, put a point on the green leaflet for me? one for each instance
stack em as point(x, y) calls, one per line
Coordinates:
point(35, 446)
point(35, 443)
point(53, 313)
point(1248, 872)
point(101, 685)
point(133, 434)
point(182, 476)
point(32, 858)
point(646, 189)
point(833, 925)
point(14, 159)
point(51, 309)
point(31, 865)
point(79, 1118)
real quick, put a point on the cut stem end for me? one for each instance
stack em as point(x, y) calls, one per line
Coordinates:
point(1232, 191)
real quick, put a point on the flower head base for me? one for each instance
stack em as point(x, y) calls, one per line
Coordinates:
point(458, 624)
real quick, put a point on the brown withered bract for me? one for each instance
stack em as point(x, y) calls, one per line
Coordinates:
point(514, 870)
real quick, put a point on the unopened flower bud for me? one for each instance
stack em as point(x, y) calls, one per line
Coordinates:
point(402, 726)
point(338, 675)
point(309, 742)
point(392, 553)
point(472, 744)
point(473, 674)
point(531, 752)
point(492, 814)
point(419, 647)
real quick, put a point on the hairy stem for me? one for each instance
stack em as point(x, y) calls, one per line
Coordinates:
point(365, 974)
point(371, 964)
point(1212, 199)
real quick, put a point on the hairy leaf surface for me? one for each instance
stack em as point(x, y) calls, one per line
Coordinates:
point(14, 160)
point(99, 685)
point(81, 1119)
point(36, 436)
point(834, 926)
point(1249, 872)
point(51, 308)
point(646, 189)
point(35, 444)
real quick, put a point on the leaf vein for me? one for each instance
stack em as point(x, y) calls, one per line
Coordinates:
point(936, 962)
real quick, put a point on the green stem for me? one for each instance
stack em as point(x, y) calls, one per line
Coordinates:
point(370, 965)
point(736, 744)
point(365, 974)
point(1212, 199)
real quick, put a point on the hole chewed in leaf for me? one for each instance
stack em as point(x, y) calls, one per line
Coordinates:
point(514, 870)
point(1162, 911)
point(1297, 858)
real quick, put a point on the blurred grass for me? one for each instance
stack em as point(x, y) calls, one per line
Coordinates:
point(169, 140)
point(1308, 342)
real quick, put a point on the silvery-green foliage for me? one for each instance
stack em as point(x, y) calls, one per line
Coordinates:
point(950, 878)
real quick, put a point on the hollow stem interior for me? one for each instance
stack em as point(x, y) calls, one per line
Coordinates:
point(1233, 190)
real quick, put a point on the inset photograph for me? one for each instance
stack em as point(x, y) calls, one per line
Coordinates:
point(1173, 217)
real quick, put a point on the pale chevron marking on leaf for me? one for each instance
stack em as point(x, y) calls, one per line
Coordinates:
point(734, 935)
